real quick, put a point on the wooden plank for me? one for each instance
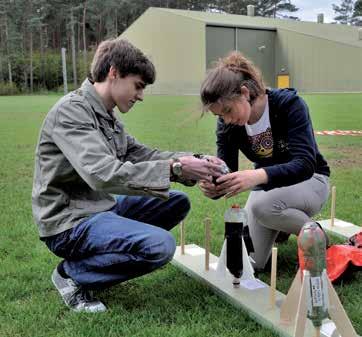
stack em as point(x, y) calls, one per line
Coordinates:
point(340, 228)
point(301, 316)
point(254, 302)
point(338, 314)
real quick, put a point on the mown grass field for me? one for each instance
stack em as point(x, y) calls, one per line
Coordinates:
point(166, 302)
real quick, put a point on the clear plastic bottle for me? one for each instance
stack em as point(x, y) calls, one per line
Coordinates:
point(224, 170)
point(312, 254)
point(235, 218)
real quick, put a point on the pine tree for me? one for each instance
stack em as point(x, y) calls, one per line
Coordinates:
point(266, 8)
point(32, 32)
point(275, 8)
point(344, 11)
point(357, 13)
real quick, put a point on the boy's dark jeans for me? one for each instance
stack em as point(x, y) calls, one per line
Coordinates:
point(130, 240)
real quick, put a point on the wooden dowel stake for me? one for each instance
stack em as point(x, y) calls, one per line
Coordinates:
point(273, 276)
point(207, 243)
point(333, 205)
point(182, 237)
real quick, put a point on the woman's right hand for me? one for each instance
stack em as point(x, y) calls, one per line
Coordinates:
point(209, 189)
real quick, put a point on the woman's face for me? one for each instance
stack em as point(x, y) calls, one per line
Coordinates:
point(236, 111)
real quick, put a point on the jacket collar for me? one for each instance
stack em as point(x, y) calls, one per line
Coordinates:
point(279, 97)
point(95, 100)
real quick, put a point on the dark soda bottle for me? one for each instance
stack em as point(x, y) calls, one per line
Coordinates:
point(235, 218)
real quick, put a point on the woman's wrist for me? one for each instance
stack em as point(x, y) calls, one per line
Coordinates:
point(261, 176)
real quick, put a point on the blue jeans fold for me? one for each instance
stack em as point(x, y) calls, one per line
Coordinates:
point(128, 241)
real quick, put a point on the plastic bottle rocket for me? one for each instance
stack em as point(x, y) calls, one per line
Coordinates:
point(312, 294)
point(234, 255)
point(312, 258)
point(224, 170)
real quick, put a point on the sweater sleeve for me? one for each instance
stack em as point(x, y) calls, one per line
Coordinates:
point(301, 146)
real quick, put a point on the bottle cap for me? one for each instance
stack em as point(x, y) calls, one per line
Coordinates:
point(235, 206)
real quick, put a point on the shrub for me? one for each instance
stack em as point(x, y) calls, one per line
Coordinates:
point(7, 88)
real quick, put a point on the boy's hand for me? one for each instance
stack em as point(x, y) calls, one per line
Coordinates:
point(199, 169)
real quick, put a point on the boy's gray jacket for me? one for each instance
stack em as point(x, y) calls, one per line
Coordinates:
point(83, 156)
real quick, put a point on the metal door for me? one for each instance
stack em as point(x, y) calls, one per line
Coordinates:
point(258, 45)
point(219, 42)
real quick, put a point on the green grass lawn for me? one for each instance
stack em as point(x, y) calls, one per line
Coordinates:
point(166, 302)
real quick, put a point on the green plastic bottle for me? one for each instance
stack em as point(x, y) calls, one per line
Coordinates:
point(312, 252)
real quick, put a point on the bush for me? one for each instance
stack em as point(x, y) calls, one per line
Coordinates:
point(7, 88)
point(71, 87)
point(47, 71)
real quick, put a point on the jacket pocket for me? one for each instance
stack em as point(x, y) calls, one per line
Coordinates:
point(120, 143)
point(116, 140)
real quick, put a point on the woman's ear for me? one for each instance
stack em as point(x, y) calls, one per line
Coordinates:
point(244, 91)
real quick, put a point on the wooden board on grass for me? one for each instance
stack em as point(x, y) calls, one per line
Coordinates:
point(253, 297)
point(340, 228)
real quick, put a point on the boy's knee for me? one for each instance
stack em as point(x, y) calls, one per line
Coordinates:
point(182, 201)
point(177, 208)
point(169, 248)
point(163, 247)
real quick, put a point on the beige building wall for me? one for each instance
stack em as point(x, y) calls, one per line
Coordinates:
point(318, 64)
point(176, 46)
point(318, 58)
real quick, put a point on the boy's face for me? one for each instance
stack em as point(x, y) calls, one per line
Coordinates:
point(126, 91)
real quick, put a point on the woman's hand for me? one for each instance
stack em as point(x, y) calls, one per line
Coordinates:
point(208, 189)
point(233, 183)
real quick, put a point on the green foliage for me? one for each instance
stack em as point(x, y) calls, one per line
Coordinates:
point(274, 8)
point(50, 65)
point(344, 11)
point(47, 72)
point(7, 89)
point(166, 302)
point(357, 13)
point(43, 27)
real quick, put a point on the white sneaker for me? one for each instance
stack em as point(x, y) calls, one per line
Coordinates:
point(75, 296)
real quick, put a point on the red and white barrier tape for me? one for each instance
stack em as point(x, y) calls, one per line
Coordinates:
point(340, 133)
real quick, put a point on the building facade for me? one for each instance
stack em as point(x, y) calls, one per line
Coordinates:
point(311, 57)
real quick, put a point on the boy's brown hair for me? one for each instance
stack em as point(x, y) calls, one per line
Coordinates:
point(126, 58)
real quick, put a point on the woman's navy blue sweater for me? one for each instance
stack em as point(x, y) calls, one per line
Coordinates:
point(295, 152)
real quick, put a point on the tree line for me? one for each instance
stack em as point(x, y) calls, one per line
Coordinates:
point(32, 32)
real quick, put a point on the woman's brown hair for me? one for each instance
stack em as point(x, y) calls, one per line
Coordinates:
point(223, 82)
